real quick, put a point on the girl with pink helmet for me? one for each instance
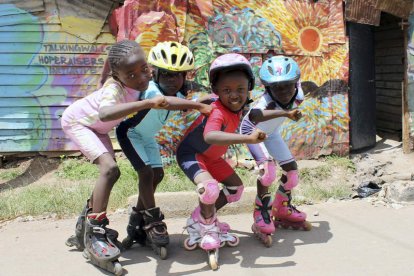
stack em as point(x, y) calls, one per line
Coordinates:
point(200, 153)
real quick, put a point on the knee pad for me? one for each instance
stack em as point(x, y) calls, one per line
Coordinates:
point(292, 179)
point(235, 195)
point(269, 173)
point(208, 191)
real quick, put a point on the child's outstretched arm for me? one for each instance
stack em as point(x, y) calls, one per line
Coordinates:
point(225, 138)
point(258, 115)
point(175, 103)
point(110, 113)
point(207, 99)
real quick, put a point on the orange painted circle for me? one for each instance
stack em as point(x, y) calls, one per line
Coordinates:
point(310, 39)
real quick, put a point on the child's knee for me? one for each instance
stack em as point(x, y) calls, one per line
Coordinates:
point(233, 193)
point(158, 175)
point(267, 173)
point(208, 191)
point(146, 173)
point(291, 179)
point(112, 172)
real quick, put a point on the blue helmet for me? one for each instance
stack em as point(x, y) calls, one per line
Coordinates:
point(279, 70)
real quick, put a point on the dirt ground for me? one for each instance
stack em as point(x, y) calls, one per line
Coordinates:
point(381, 165)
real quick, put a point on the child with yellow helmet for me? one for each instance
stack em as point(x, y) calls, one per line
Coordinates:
point(136, 136)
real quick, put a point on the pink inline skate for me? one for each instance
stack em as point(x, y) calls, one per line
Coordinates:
point(286, 215)
point(209, 235)
point(263, 226)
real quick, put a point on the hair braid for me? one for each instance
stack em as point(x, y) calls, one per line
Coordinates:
point(120, 50)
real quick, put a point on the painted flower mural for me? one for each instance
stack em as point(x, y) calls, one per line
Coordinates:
point(312, 33)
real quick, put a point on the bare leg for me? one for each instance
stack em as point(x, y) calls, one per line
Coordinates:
point(108, 175)
point(158, 175)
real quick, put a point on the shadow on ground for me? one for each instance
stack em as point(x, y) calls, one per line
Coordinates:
point(246, 254)
point(37, 168)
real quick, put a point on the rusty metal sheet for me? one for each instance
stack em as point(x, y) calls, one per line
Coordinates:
point(30, 6)
point(400, 8)
point(362, 11)
point(84, 18)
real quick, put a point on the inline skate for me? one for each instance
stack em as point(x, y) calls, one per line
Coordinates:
point(209, 235)
point(285, 215)
point(100, 249)
point(263, 226)
point(156, 231)
point(135, 230)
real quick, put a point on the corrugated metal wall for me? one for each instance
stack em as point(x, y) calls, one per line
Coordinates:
point(362, 11)
point(410, 72)
point(389, 68)
point(43, 69)
point(369, 11)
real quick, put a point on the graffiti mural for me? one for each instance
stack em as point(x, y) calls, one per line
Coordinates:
point(53, 68)
point(308, 37)
point(42, 70)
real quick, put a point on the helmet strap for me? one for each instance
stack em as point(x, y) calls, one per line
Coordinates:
point(159, 87)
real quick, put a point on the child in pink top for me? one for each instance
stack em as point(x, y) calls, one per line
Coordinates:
point(87, 123)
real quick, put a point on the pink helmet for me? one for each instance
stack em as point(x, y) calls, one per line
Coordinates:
point(229, 62)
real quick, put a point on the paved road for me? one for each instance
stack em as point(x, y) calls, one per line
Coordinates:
point(348, 238)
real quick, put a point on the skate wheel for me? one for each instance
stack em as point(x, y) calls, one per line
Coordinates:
point(307, 226)
point(268, 241)
point(187, 245)
point(117, 268)
point(127, 243)
point(163, 253)
point(295, 227)
point(235, 242)
point(222, 244)
point(212, 260)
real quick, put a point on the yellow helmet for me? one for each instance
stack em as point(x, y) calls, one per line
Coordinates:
point(171, 56)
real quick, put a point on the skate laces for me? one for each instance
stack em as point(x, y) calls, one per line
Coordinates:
point(190, 225)
point(289, 203)
point(203, 228)
point(264, 209)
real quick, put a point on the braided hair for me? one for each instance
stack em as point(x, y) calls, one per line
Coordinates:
point(119, 51)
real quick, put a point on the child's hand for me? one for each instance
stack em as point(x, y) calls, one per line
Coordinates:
point(205, 109)
point(257, 136)
point(294, 115)
point(159, 102)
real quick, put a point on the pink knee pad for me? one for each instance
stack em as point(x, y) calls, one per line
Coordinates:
point(269, 173)
point(233, 197)
point(211, 191)
point(292, 179)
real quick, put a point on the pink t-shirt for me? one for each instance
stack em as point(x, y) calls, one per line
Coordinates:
point(86, 111)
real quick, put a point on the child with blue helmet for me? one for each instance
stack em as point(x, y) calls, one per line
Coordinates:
point(280, 76)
